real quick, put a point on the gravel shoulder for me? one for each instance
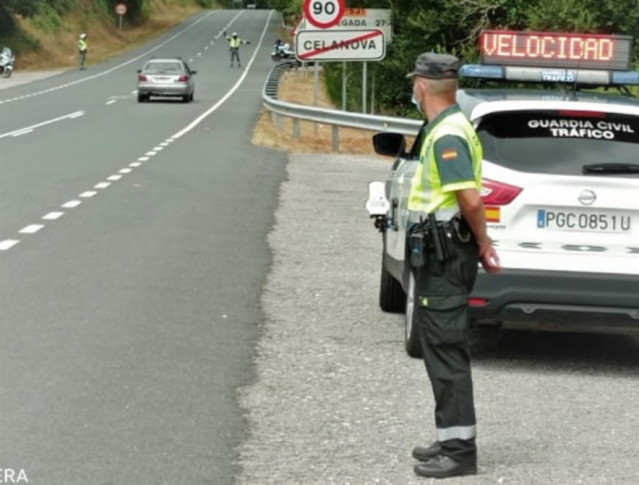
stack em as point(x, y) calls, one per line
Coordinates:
point(336, 400)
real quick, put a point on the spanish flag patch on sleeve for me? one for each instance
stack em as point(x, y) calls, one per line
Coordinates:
point(450, 154)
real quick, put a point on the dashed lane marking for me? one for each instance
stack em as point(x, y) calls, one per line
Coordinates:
point(31, 229)
point(72, 204)
point(7, 244)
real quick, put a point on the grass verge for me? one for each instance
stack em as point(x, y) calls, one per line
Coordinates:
point(58, 47)
point(299, 87)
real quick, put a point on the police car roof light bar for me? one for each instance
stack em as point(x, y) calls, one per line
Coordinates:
point(550, 75)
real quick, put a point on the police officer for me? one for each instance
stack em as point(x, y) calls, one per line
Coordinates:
point(234, 47)
point(445, 207)
point(82, 50)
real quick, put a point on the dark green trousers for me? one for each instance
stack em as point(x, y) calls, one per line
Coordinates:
point(442, 313)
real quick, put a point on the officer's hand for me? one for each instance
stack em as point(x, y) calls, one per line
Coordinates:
point(248, 41)
point(489, 258)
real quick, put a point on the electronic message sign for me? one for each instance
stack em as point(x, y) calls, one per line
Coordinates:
point(551, 49)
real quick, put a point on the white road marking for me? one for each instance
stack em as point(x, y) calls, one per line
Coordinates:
point(29, 129)
point(32, 229)
point(71, 204)
point(239, 82)
point(7, 244)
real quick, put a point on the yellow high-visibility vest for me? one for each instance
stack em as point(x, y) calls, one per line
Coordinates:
point(427, 193)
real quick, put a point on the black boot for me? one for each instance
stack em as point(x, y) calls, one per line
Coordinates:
point(444, 467)
point(425, 453)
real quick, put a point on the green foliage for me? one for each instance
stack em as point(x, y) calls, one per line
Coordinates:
point(453, 26)
point(291, 10)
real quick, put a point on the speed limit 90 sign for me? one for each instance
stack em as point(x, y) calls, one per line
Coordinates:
point(324, 14)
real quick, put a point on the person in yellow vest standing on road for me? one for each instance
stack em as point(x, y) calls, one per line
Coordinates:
point(82, 50)
point(234, 47)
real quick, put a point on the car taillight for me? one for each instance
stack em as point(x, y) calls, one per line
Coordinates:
point(477, 302)
point(581, 113)
point(183, 79)
point(498, 193)
point(495, 194)
point(142, 78)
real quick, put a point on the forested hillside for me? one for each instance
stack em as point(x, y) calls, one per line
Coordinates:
point(44, 32)
point(454, 25)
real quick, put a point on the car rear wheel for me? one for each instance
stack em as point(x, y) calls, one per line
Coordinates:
point(143, 98)
point(411, 336)
point(391, 294)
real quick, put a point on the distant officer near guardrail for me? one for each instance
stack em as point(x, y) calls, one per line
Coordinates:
point(83, 47)
point(447, 238)
point(234, 47)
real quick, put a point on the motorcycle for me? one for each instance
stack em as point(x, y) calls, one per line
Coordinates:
point(7, 58)
point(283, 52)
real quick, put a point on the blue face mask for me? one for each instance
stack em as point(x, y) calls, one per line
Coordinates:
point(417, 104)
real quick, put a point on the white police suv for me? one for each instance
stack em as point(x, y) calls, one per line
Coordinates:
point(560, 186)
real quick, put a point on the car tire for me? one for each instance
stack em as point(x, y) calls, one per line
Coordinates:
point(186, 99)
point(392, 298)
point(143, 98)
point(412, 341)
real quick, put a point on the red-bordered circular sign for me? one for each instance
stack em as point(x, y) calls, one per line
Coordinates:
point(324, 14)
point(121, 8)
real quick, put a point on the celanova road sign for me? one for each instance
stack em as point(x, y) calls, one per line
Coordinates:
point(359, 18)
point(340, 45)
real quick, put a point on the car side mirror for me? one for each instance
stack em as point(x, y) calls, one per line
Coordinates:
point(193, 72)
point(139, 71)
point(389, 144)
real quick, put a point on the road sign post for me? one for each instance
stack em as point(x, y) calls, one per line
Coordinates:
point(352, 19)
point(121, 9)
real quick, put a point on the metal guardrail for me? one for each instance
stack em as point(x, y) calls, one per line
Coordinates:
point(336, 118)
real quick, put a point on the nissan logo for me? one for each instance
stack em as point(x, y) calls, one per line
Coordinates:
point(587, 197)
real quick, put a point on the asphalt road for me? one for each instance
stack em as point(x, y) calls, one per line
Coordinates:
point(337, 401)
point(133, 250)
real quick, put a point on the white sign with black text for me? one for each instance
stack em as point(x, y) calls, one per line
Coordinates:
point(340, 45)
